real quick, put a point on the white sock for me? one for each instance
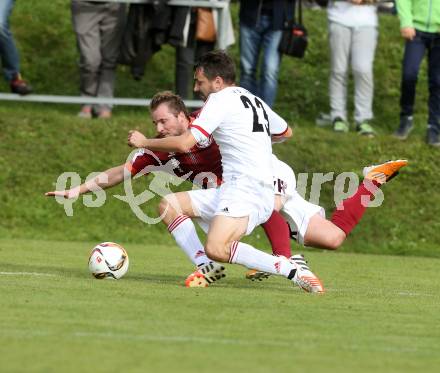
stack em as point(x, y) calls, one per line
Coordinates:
point(252, 258)
point(185, 234)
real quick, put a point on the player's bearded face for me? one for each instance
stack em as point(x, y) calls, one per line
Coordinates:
point(202, 85)
point(168, 123)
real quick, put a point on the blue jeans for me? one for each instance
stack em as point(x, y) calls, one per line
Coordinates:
point(252, 41)
point(8, 51)
point(413, 56)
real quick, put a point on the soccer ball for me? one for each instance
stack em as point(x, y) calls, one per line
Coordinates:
point(108, 260)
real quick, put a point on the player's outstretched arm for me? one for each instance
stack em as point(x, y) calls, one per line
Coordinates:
point(104, 180)
point(179, 144)
point(283, 137)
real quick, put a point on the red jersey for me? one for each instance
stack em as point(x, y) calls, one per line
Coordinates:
point(201, 165)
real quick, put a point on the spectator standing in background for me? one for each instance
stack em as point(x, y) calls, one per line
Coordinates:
point(186, 55)
point(261, 24)
point(9, 57)
point(420, 27)
point(353, 38)
point(98, 27)
point(198, 37)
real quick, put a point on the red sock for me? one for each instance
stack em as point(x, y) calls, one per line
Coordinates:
point(277, 231)
point(348, 214)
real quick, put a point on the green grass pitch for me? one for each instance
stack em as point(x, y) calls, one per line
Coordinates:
point(380, 314)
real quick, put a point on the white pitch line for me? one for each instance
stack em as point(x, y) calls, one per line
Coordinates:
point(414, 294)
point(380, 292)
point(147, 338)
point(26, 274)
point(181, 339)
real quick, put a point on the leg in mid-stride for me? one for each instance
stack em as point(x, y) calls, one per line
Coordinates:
point(311, 226)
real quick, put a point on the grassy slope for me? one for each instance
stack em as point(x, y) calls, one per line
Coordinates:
point(38, 142)
point(147, 322)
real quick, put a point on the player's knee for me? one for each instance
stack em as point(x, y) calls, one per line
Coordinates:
point(336, 240)
point(216, 251)
point(163, 206)
point(166, 210)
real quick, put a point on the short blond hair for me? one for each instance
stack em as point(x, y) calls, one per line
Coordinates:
point(174, 102)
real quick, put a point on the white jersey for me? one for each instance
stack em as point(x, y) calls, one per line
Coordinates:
point(241, 124)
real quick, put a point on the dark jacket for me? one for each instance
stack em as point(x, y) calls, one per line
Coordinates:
point(145, 31)
point(250, 12)
point(322, 3)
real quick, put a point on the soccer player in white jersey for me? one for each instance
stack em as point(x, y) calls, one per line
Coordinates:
point(243, 126)
point(202, 166)
point(306, 220)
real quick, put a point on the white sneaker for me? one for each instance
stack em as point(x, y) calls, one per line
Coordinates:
point(205, 275)
point(303, 276)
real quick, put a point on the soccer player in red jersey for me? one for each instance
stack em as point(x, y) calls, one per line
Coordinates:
point(201, 165)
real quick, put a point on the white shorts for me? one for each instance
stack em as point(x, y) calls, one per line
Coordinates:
point(296, 210)
point(284, 180)
point(237, 198)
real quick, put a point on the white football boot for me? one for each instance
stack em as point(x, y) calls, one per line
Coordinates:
point(303, 276)
point(205, 275)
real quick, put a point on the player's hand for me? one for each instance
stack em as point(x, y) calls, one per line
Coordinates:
point(70, 193)
point(136, 139)
point(356, 2)
point(408, 33)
